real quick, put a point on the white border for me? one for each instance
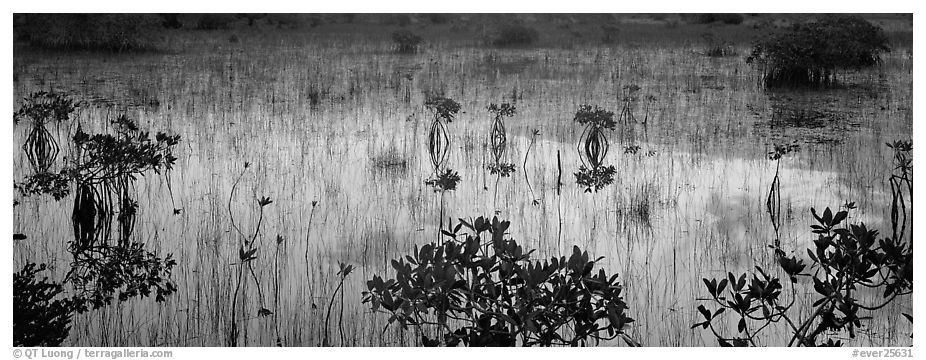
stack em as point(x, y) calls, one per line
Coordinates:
point(482, 6)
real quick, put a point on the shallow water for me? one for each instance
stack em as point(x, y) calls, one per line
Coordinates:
point(310, 119)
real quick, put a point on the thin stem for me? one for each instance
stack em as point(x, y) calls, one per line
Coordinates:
point(328, 316)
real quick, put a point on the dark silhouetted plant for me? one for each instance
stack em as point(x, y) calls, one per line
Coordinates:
point(773, 201)
point(406, 41)
point(594, 179)
point(479, 288)
point(343, 271)
point(444, 178)
point(593, 148)
point(534, 200)
point(845, 260)
point(58, 185)
point(445, 181)
point(102, 168)
point(811, 53)
point(901, 181)
point(39, 109)
point(99, 276)
point(247, 253)
point(104, 171)
point(445, 109)
point(103, 273)
point(41, 315)
point(308, 232)
point(498, 141)
point(280, 244)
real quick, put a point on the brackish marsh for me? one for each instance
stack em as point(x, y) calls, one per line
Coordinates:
point(329, 122)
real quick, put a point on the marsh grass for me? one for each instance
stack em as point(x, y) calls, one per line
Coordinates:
point(702, 191)
point(390, 162)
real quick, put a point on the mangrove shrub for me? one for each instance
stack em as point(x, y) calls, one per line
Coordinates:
point(811, 53)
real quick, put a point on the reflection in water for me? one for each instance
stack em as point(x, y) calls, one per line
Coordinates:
point(689, 203)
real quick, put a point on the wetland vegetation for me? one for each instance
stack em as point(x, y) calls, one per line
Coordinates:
point(462, 179)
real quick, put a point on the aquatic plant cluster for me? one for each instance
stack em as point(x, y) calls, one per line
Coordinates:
point(498, 139)
point(812, 53)
point(95, 236)
point(108, 263)
point(481, 289)
point(444, 178)
point(593, 147)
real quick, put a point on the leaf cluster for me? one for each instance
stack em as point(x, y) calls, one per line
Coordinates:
point(503, 110)
point(41, 316)
point(781, 150)
point(44, 107)
point(443, 107)
point(845, 260)
point(445, 181)
point(480, 288)
point(103, 273)
point(595, 178)
point(102, 158)
point(503, 169)
point(595, 116)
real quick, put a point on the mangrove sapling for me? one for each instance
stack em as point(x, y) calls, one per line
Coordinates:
point(773, 201)
point(103, 169)
point(343, 271)
point(39, 109)
point(534, 133)
point(247, 253)
point(559, 200)
point(498, 142)
point(593, 147)
point(308, 232)
point(901, 179)
point(276, 288)
point(444, 178)
point(242, 256)
point(444, 109)
point(263, 311)
point(231, 218)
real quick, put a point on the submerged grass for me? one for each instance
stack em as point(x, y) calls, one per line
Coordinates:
point(690, 203)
